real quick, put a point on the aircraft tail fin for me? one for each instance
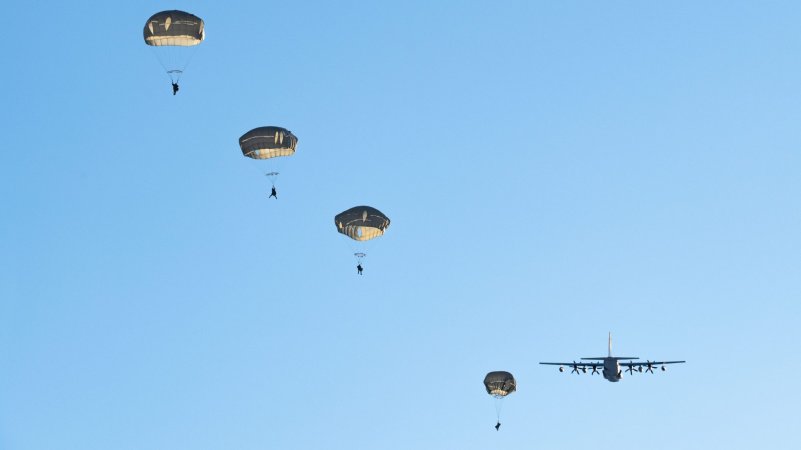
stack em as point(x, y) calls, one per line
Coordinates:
point(619, 358)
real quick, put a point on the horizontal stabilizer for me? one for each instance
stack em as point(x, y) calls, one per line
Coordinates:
point(596, 359)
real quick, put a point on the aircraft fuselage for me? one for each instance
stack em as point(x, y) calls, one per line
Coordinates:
point(612, 370)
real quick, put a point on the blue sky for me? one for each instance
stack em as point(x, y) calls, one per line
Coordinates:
point(553, 171)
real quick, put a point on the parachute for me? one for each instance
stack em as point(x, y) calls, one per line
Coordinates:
point(499, 384)
point(361, 224)
point(174, 35)
point(268, 143)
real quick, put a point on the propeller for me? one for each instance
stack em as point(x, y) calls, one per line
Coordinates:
point(649, 366)
point(594, 369)
point(632, 369)
point(575, 368)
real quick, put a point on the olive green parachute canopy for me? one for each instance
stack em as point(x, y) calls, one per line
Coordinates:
point(361, 223)
point(268, 142)
point(500, 384)
point(175, 28)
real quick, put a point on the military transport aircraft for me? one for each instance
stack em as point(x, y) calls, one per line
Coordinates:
point(612, 366)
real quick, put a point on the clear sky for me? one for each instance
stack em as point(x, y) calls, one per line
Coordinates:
point(553, 171)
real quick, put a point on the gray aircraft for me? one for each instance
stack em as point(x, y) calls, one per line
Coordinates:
point(612, 365)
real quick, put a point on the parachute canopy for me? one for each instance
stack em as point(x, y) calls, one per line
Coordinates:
point(268, 142)
point(361, 223)
point(176, 28)
point(500, 384)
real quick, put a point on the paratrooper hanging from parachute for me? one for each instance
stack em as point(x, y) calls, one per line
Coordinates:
point(499, 384)
point(361, 224)
point(267, 144)
point(174, 36)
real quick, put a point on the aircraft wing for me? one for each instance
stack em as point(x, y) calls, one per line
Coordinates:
point(577, 364)
point(653, 363)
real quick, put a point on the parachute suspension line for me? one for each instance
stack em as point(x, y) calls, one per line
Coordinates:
point(171, 73)
point(161, 63)
point(192, 52)
point(356, 249)
point(498, 407)
point(170, 61)
point(272, 176)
